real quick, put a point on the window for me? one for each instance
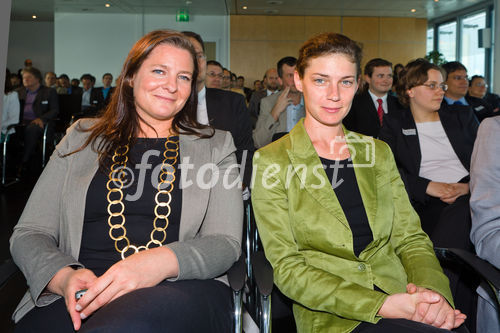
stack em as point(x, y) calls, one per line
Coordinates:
point(447, 37)
point(430, 40)
point(472, 56)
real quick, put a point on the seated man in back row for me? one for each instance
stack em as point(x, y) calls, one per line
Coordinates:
point(369, 107)
point(279, 112)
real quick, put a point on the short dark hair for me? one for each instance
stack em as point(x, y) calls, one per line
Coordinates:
point(414, 74)
point(35, 72)
point(290, 61)
point(63, 76)
point(453, 66)
point(376, 62)
point(328, 43)
point(86, 77)
point(475, 77)
point(194, 35)
point(105, 74)
point(241, 77)
point(215, 63)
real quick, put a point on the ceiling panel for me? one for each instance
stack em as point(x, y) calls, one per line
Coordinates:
point(430, 9)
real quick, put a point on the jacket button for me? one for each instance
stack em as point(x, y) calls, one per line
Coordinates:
point(361, 267)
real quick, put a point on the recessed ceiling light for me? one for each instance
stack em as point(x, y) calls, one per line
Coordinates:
point(436, 0)
point(413, 10)
point(245, 7)
point(34, 16)
point(107, 5)
point(188, 2)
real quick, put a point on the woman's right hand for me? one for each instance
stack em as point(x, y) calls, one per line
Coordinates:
point(66, 282)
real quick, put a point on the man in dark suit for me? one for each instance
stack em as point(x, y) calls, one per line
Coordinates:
point(92, 99)
point(41, 105)
point(106, 90)
point(370, 106)
point(224, 110)
point(458, 86)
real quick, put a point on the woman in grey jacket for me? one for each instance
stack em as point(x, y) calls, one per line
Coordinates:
point(139, 210)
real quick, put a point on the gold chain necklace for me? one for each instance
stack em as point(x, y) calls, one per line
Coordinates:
point(165, 187)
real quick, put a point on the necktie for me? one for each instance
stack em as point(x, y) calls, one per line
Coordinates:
point(380, 110)
point(458, 103)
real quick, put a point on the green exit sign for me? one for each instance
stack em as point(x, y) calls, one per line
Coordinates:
point(182, 15)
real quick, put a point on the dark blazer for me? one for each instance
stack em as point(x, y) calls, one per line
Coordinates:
point(254, 105)
point(482, 109)
point(400, 132)
point(363, 116)
point(227, 111)
point(108, 96)
point(46, 103)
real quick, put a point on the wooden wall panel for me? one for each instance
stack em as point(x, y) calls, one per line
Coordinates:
point(361, 28)
point(317, 24)
point(258, 42)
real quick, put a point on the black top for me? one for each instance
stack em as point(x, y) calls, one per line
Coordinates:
point(97, 251)
point(343, 179)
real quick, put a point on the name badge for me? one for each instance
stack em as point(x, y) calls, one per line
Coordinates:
point(410, 131)
point(95, 102)
point(45, 102)
point(479, 108)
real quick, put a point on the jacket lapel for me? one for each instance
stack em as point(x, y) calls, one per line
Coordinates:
point(194, 153)
point(304, 160)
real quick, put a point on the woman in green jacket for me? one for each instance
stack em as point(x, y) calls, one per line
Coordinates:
point(334, 217)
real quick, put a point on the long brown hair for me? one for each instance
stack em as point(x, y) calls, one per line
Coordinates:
point(119, 123)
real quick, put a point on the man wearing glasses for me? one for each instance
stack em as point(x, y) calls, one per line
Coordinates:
point(214, 75)
point(458, 85)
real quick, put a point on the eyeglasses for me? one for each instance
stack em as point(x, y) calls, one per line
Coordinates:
point(480, 85)
point(460, 77)
point(213, 75)
point(434, 86)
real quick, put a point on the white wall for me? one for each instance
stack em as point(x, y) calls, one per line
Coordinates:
point(33, 40)
point(99, 43)
point(4, 39)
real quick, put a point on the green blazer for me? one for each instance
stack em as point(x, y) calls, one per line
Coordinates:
point(308, 241)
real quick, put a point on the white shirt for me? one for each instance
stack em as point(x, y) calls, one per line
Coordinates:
point(201, 112)
point(384, 101)
point(10, 112)
point(439, 161)
point(269, 92)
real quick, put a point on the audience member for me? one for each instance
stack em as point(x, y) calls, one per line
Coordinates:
point(479, 88)
point(92, 98)
point(66, 88)
point(226, 79)
point(458, 86)
point(106, 89)
point(432, 144)
point(213, 79)
point(369, 107)
point(241, 84)
point(224, 110)
point(41, 105)
point(144, 281)
point(272, 84)
point(485, 210)
point(15, 81)
point(51, 80)
point(257, 85)
point(279, 112)
point(11, 109)
point(75, 83)
point(397, 70)
point(343, 239)
point(28, 63)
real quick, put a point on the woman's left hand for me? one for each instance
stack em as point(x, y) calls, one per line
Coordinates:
point(140, 270)
point(439, 314)
point(459, 189)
